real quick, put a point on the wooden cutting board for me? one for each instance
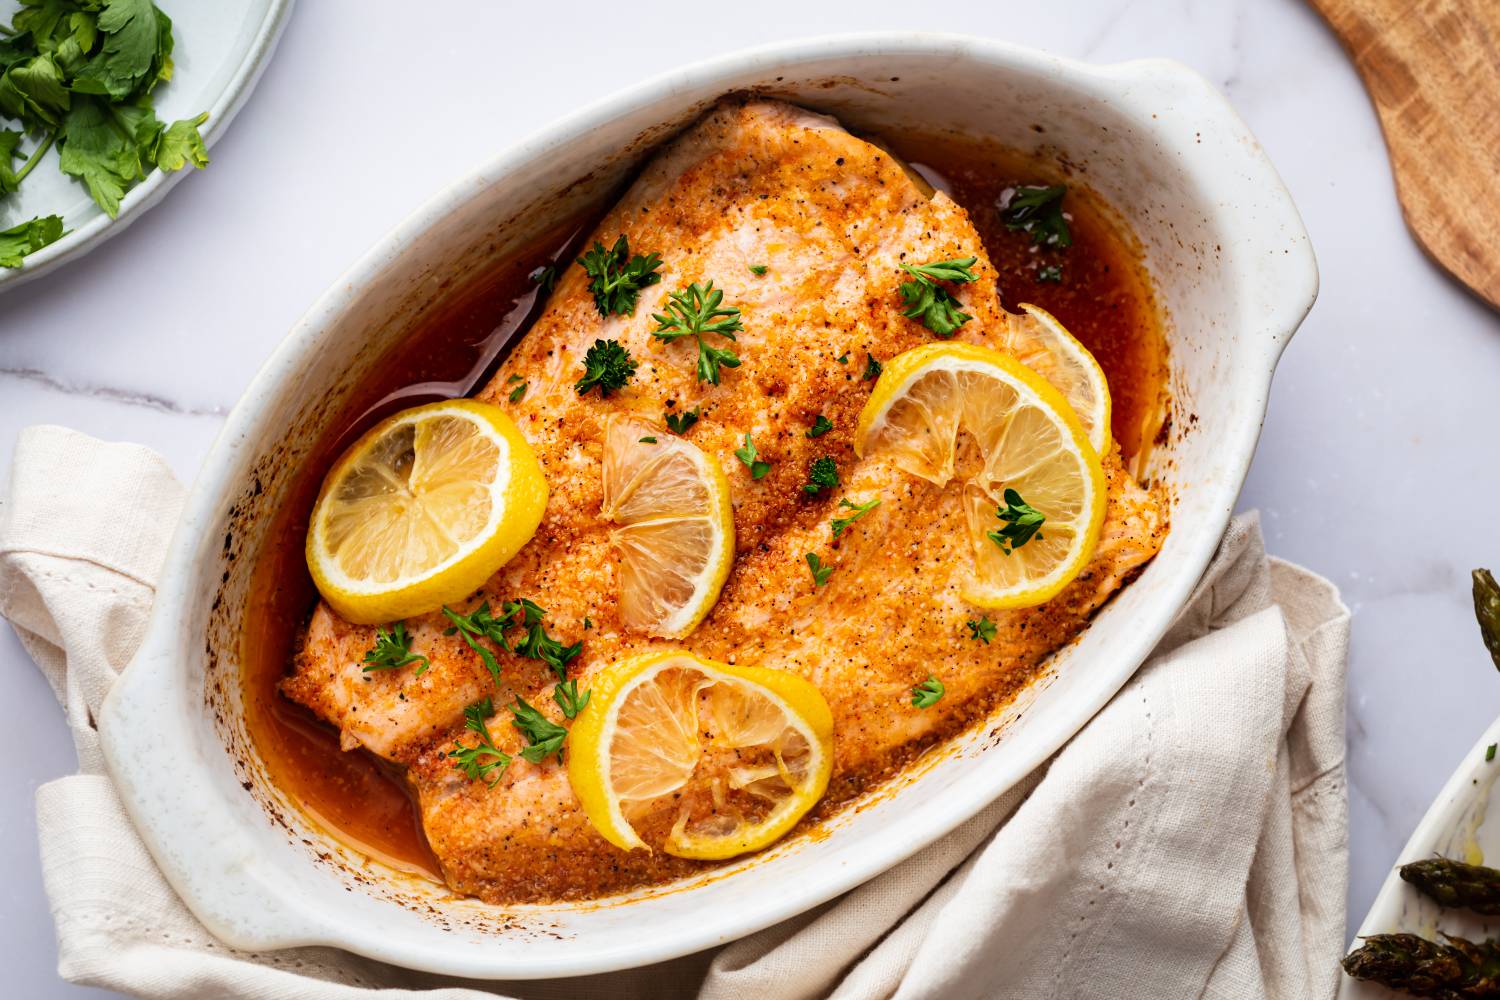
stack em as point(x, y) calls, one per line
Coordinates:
point(1432, 67)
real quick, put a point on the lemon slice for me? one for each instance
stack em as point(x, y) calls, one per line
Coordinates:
point(422, 509)
point(708, 760)
point(675, 533)
point(1018, 433)
point(1044, 345)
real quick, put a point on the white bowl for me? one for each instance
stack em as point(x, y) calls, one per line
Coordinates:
point(1235, 274)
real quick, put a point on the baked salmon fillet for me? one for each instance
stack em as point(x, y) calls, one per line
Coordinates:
point(831, 218)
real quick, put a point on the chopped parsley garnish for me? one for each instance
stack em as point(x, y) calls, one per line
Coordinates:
point(820, 426)
point(480, 624)
point(478, 762)
point(392, 650)
point(588, 623)
point(750, 457)
point(678, 423)
point(544, 277)
point(758, 269)
point(822, 474)
point(536, 645)
point(518, 391)
point(607, 365)
point(820, 573)
point(696, 311)
point(616, 277)
point(860, 510)
point(1051, 274)
point(1037, 211)
point(647, 440)
point(1022, 522)
point(981, 629)
point(872, 368)
point(543, 736)
point(843, 359)
point(927, 693)
point(932, 304)
point(1489, 752)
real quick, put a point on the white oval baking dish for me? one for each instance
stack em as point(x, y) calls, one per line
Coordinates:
point(1235, 275)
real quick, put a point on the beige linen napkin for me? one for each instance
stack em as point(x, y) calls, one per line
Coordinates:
point(1189, 842)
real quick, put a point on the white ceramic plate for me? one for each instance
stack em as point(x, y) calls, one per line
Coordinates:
point(1234, 273)
point(221, 47)
point(1456, 826)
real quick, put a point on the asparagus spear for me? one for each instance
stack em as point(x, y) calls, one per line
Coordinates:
point(1455, 884)
point(1458, 970)
point(1487, 610)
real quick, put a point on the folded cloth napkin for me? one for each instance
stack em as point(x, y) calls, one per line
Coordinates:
point(1189, 842)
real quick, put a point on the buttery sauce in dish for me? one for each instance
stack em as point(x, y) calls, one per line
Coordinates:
point(810, 347)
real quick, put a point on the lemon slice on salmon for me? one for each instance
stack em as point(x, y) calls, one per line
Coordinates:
point(1040, 342)
point(1033, 487)
point(674, 527)
point(705, 759)
point(422, 510)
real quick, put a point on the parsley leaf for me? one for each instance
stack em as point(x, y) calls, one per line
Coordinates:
point(544, 277)
point(930, 303)
point(392, 649)
point(543, 736)
point(843, 359)
point(981, 629)
point(617, 277)
point(1037, 211)
point(565, 693)
point(820, 426)
point(678, 423)
point(872, 368)
point(181, 144)
point(478, 762)
point(480, 624)
point(758, 269)
point(927, 693)
point(607, 365)
point(694, 312)
point(1489, 752)
point(136, 36)
point(648, 440)
point(822, 474)
point(1051, 274)
point(519, 391)
point(820, 573)
point(28, 237)
point(749, 456)
point(1022, 521)
point(841, 524)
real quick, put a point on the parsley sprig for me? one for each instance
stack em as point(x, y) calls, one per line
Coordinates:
point(697, 311)
point(822, 425)
point(536, 644)
point(607, 365)
point(873, 368)
point(752, 460)
point(1022, 523)
point(543, 736)
point(820, 572)
point(931, 303)
point(616, 277)
point(678, 423)
point(480, 761)
point(1037, 211)
point(392, 650)
point(927, 693)
point(822, 474)
point(841, 524)
point(981, 629)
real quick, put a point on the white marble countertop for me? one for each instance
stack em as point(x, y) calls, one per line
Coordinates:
point(1369, 471)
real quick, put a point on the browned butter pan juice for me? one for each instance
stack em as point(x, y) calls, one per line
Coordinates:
point(1103, 297)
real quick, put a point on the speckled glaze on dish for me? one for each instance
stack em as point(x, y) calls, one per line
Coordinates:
point(1234, 273)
